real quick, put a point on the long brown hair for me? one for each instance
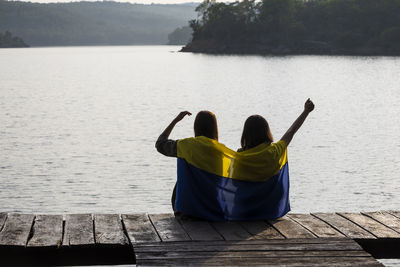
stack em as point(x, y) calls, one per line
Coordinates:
point(205, 124)
point(255, 131)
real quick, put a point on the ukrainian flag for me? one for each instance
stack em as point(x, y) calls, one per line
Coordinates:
point(218, 184)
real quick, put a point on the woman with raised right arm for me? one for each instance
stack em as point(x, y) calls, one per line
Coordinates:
point(263, 161)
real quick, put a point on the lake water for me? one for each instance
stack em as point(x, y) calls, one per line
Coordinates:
point(78, 125)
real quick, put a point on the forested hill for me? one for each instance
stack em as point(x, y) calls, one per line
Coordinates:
point(354, 27)
point(93, 23)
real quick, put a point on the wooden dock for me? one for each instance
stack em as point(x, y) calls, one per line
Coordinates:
point(160, 239)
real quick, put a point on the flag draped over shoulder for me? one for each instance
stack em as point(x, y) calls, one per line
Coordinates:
point(219, 184)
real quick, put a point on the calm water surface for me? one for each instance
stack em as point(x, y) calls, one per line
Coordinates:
point(78, 125)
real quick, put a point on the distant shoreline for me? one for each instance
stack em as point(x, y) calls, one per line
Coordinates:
point(210, 48)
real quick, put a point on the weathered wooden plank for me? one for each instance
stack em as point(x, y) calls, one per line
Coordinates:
point(261, 230)
point(323, 244)
point(108, 230)
point(200, 230)
point(16, 229)
point(231, 230)
point(344, 226)
point(47, 231)
point(290, 228)
point(168, 227)
point(248, 254)
point(315, 225)
point(294, 261)
point(386, 218)
point(272, 242)
point(331, 240)
point(3, 217)
point(377, 229)
point(78, 230)
point(395, 213)
point(139, 228)
point(291, 252)
point(281, 247)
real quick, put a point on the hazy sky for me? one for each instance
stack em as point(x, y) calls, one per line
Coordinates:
point(130, 1)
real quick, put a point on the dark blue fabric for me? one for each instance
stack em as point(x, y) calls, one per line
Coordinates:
point(212, 197)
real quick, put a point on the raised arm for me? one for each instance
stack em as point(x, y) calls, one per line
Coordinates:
point(288, 136)
point(164, 145)
point(165, 134)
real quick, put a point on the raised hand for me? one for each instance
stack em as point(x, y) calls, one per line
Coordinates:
point(182, 115)
point(309, 106)
point(165, 134)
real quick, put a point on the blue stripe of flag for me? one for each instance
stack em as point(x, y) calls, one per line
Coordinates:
point(212, 197)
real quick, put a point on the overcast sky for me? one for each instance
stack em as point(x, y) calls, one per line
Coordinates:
point(130, 1)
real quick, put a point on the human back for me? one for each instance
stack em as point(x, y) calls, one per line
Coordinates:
point(219, 184)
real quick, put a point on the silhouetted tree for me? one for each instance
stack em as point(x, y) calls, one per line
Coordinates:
point(7, 40)
point(298, 26)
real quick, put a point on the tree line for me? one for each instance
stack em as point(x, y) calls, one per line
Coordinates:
point(297, 27)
